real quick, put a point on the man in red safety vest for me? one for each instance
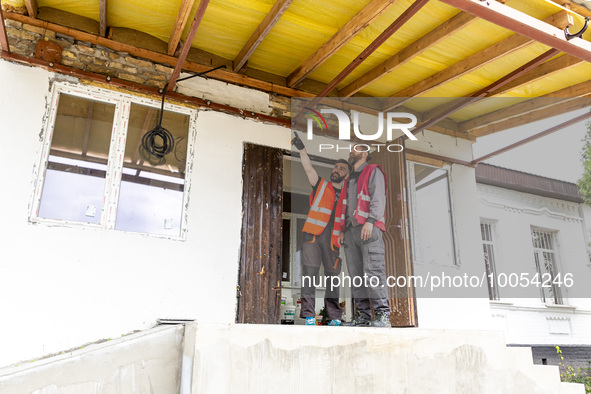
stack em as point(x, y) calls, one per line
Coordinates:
point(321, 236)
point(361, 232)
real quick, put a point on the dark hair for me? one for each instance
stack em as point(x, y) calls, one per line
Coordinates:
point(347, 163)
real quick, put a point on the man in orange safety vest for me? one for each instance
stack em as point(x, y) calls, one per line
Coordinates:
point(321, 232)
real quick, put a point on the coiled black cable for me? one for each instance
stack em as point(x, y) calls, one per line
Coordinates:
point(158, 142)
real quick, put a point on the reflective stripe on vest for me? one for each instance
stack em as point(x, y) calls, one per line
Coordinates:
point(320, 211)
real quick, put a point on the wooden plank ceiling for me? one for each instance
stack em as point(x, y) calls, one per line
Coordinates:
point(421, 54)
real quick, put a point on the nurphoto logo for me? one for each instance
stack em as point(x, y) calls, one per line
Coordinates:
point(388, 123)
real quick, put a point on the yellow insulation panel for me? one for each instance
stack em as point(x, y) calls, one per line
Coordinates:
point(307, 24)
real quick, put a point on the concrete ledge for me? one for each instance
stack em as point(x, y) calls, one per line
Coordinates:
point(270, 359)
point(146, 362)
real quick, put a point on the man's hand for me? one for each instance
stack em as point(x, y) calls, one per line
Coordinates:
point(341, 240)
point(366, 231)
point(297, 142)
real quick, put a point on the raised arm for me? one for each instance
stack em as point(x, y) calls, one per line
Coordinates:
point(306, 162)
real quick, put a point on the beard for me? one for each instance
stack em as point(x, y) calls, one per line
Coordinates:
point(334, 177)
point(355, 158)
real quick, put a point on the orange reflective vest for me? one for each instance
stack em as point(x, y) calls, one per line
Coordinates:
point(321, 205)
point(363, 199)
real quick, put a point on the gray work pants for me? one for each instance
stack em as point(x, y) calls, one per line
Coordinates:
point(365, 261)
point(316, 250)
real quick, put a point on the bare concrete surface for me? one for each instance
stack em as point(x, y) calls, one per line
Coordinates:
point(145, 362)
point(259, 359)
point(272, 359)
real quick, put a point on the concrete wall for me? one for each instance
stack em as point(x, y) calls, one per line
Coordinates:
point(69, 286)
point(148, 362)
point(529, 320)
point(263, 359)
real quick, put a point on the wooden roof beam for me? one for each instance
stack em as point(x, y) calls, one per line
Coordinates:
point(179, 25)
point(260, 33)
point(517, 110)
point(480, 59)
point(534, 137)
point(393, 28)
point(539, 114)
point(430, 39)
point(345, 34)
point(440, 113)
point(31, 8)
point(103, 18)
point(222, 75)
point(561, 63)
point(187, 45)
point(3, 37)
point(524, 24)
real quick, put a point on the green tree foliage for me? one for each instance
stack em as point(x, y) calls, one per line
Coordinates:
point(570, 375)
point(585, 181)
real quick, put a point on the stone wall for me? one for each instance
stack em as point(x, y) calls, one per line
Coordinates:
point(98, 59)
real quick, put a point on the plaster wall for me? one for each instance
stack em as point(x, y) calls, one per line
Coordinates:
point(528, 320)
point(62, 287)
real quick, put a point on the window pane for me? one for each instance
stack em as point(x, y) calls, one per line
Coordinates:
point(433, 215)
point(151, 195)
point(74, 184)
point(486, 231)
point(545, 259)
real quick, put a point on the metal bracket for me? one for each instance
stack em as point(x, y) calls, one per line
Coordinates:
point(570, 36)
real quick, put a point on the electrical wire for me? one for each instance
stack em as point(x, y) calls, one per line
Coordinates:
point(159, 142)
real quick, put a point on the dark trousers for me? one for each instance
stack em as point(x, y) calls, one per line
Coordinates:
point(367, 268)
point(316, 250)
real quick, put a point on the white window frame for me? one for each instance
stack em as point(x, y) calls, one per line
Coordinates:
point(494, 292)
point(122, 102)
point(553, 234)
point(413, 214)
point(293, 248)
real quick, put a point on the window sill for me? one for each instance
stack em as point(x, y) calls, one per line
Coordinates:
point(560, 307)
point(500, 302)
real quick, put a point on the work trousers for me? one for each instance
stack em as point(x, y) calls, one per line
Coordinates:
point(316, 250)
point(367, 268)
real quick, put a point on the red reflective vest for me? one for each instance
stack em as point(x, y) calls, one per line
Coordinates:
point(363, 199)
point(321, 205)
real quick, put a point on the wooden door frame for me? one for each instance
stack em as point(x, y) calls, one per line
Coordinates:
point(259, 272)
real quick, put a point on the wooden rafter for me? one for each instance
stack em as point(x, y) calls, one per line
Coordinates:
point(225, 76)
point(438, 114)
point(524, 24)
point(480, 59)
point(3, 36)
point(31, 8)
point(559, 107)
point(430, 39)
point(574, 7)
point(179, 25)
point(346, 33)
point(517, 110)
point(260, 33)
point(561, 63)
point(397, 24)
point(534, 137)
point(103, 18)
point(190, 37)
